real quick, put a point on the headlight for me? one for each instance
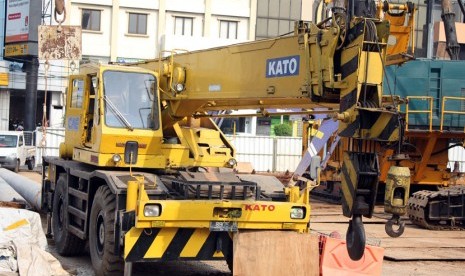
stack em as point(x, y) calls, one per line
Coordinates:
point(152, 210)
point(179, 87)
point(297, 212)
point(116, 158)
point(13, 156)
point(232, 162)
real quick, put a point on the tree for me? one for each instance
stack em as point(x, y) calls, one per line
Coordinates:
point(283, 130)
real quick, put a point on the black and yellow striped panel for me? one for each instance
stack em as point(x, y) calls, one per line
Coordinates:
point(350, 61)
point(349, 181)
point(176, 243)
point(373, 125)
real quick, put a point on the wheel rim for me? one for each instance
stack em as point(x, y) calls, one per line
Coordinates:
point(100, 233)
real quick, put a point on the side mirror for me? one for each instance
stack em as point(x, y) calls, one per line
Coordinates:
point(130, 152)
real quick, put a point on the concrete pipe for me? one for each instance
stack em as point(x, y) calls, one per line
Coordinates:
point(28, 189)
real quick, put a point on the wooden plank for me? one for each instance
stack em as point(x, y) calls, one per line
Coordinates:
point(275, 253)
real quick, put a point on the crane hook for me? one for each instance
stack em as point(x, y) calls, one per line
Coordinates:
point(389, 227)
point(355, 238)
point(60, 10)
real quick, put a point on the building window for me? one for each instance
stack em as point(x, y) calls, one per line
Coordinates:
point(91, 20)
point(183, 25)
point(228, 29)
point(137, 23)
point(276, 17)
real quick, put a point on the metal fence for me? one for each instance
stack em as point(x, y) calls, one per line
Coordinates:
point(265, 153)
point(53, 138)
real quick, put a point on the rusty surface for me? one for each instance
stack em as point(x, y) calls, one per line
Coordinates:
point(62, 42)
point(12, 204)
point(59, 6)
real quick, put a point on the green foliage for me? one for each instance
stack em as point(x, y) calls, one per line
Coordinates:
point(283, 130)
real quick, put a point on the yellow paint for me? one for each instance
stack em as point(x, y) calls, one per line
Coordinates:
point(195, 243)
point(161, 243)
point(374, 73)
point(4, 79)
point(16, 224)
point(131, 198)
point(130, 239)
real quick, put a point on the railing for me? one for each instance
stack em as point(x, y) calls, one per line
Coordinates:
point(444, 111)
point(428, 111)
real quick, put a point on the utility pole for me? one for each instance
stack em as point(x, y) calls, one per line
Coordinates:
point(32, 71)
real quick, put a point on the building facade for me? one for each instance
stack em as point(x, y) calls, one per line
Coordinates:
point(132, 30)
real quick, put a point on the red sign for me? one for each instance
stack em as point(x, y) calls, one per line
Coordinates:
point(259, 207)
point(14, 16)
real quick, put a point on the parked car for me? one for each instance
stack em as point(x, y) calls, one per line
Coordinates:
point(16, 149)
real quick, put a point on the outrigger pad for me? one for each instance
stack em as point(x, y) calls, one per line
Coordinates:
point(271, 253)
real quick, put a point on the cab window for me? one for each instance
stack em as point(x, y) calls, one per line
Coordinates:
point(77, 93)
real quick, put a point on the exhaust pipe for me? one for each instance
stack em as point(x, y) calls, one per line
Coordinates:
point(31, 191)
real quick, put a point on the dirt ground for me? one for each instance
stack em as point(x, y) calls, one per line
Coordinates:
point(416, 252)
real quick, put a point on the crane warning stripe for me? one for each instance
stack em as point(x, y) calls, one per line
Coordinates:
point(349, 184)
point(175, 243)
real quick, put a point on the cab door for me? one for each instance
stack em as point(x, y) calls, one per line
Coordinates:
point(21, 152)
point(76, 109)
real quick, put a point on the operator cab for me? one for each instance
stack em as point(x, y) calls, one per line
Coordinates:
point(107, 106)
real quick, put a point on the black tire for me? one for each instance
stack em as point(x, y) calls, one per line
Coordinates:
point(228, 253)
point(66, 243)
point(31, 163)
point(102, 234)
point(16, 168)
point(356, 238)
point(230, 263)
point(394, 231)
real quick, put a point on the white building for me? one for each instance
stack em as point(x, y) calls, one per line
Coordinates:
point(128, 30)
point(131, 30)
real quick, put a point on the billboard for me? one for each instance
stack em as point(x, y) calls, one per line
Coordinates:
point(22, 18)
point(17, 21)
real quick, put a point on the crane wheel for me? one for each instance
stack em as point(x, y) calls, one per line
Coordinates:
point(101, 234)
point(355, 238)
point(229, 261)
point(389, 228)
point(66, 243)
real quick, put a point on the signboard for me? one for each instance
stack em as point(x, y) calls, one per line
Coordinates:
point(17, 21)
point(3, 79)
point(63, 43)
point(22, 17)
point(16, 50)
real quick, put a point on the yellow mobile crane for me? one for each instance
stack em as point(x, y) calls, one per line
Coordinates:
point(134, 177)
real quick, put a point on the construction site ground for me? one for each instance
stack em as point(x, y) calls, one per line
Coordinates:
point(416, 252)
